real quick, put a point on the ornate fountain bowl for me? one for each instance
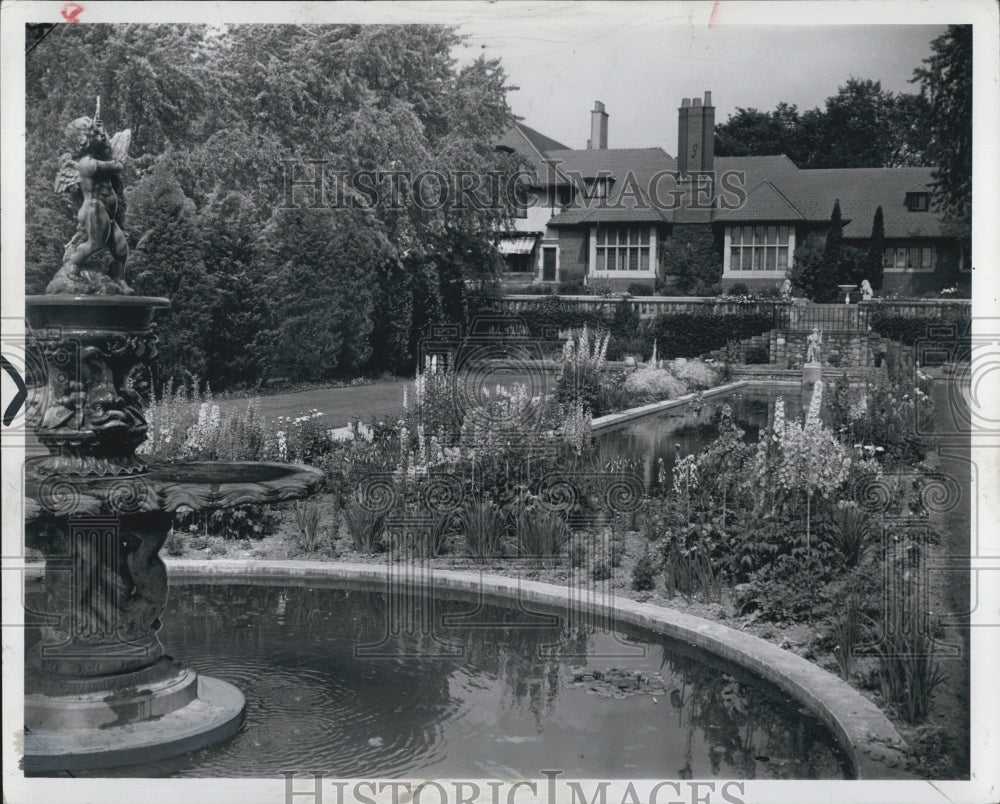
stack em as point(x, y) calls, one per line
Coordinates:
point(82, 405)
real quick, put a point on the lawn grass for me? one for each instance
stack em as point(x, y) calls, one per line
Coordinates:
point(380, 400)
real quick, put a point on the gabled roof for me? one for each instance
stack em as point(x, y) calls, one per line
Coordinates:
point(781, 191)
point(533, 147)
point(632, 170)
point(860, 192)
point(539, 140)
point(764, 202)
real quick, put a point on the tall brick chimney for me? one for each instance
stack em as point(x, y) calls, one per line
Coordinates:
point(696, 135)
point(598, 127)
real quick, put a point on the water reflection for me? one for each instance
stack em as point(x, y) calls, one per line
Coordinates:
point(688, 430)
point(503, 703)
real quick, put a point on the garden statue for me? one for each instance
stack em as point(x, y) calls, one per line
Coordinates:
point(91, 170)
point(866, 290)
point(813, 343)
point(786, 289)
point(100, 688)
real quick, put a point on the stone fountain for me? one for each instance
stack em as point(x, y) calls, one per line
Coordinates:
point(100, 690)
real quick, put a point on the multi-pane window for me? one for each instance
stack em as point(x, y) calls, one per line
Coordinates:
point(622, 248)
point(759, 248)
point(908, 258)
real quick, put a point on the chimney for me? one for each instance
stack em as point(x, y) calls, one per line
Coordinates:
point(696, 135)
point(598, 127)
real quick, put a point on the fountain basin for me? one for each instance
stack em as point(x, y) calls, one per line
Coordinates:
point(120, 313)
point(167, 487)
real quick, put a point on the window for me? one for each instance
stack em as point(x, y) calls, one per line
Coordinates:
point(908, 258)
point(622, 248)
point(918, 202)
point(597, 188)
point(759, 248)
point(520, 263)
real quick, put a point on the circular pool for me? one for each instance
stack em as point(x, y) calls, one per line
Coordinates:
point(359, 679)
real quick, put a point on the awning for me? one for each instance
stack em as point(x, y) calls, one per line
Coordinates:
point(517, 245)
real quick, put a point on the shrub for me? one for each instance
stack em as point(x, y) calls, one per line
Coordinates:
point(852, 533)
point(539, 533)
point(907, 670)
point(658, 383)
point(484, 528)
point(756, 355)
point(644, 572)
point(367, 528)
point(694, 334)
point(847, 633)
point(688, 570)
point(601, 571)
point(625, 321)
point(572, 289)
point(307, 521)
point(695, 374)
point(248, 521)
point(639, 289)
point(739, 289)
point(909, 330)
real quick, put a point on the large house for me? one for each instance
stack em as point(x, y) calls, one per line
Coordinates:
point(599, 214)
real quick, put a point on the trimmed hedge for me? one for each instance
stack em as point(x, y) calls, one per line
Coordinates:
point(694, 334)
point(908, 330)
point(677, 334)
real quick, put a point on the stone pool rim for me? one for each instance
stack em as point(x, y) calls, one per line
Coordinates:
point(872, 744)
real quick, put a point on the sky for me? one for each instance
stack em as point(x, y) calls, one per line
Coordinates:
point(642, 68)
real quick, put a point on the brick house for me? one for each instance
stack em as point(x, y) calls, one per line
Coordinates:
point(601, 214)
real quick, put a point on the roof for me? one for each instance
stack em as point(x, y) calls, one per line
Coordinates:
point(764, 202)
point(633, 171)
point(534, 147)
point(539, 140)
point(781, 191)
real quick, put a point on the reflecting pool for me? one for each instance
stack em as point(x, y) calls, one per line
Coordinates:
point(688, 429)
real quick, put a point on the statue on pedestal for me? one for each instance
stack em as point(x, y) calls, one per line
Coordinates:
point(866, 290)
point(813, 344)
point(91, 170)
point(786, 289)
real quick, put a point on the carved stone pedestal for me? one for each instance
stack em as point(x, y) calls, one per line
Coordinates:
point(811, 374)
point(100, 690)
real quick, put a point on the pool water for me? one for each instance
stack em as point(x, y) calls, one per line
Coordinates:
point(687, 430)
point(333, 686)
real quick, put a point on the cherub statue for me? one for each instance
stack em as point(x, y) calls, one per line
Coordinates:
point(91, 170)
point(786, 289)
point(866, 289)
point(813, 343)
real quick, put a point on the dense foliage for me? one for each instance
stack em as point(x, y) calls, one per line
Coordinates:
point(861, 126)
point(221, 118)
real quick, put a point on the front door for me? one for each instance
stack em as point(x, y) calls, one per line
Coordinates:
point(549, 264)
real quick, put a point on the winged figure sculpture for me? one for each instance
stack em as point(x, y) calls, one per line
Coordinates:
point(91, 171)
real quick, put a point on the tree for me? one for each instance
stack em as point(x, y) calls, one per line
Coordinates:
point(876, 251)
point(861, 126)
point(167, 260)
point(322, 267)
point(946, 85)
point(691, 256)
point(225, 108)
point(751, 132)
point(810, 273)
